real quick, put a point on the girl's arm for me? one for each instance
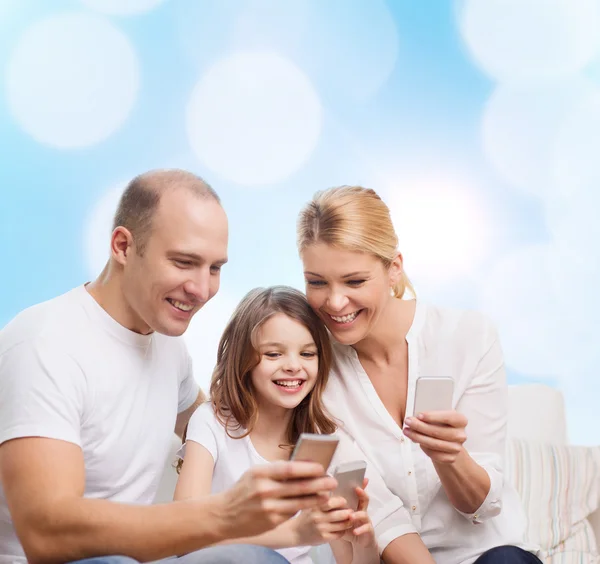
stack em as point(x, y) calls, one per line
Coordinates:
point(195, 476)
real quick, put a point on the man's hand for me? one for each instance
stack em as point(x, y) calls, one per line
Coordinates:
point(266, 496)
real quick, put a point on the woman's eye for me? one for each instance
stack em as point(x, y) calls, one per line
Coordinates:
point(315, 283)
point(356, 282)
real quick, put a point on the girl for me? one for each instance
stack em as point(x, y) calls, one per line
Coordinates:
point(272, 367)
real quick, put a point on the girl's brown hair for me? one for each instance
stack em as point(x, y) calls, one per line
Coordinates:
point(231, 392)
point(352, 218)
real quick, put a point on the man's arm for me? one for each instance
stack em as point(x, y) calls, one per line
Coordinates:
point(184, 417)
point(44, 481)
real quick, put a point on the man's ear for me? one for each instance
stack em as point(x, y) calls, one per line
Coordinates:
point(121, 244)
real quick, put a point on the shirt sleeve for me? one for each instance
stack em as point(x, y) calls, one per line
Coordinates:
point(188, 387)
point(485, 404)
point(201, 429)
point(42, 393)
point(387, 512)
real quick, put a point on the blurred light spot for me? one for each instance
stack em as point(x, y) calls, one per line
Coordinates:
point(204, 333)
point(254, 118)
point(72, 80)
point(520, 128)
point(121, 7)
point(98, 228)
point(528, 40)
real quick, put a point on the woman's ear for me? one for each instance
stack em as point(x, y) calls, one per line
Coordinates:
point(395, 270)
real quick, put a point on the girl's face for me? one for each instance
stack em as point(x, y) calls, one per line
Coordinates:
point(288, 365)
point(348, 290)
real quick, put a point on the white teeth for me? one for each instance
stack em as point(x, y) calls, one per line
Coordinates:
point(346, 318)
point(289, 383)
point(182, 306)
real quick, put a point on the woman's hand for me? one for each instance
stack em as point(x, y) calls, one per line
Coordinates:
point(440, 434)
point(362, 533)
point(322, 525)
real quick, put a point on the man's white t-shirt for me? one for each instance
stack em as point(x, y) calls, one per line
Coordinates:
point(69, 371)
point(233, 456)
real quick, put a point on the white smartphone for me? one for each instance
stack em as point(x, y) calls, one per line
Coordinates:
point(315, 448)
point(433, 393)
point(349, 476)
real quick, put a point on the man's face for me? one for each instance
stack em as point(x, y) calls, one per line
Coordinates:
point(180, 268)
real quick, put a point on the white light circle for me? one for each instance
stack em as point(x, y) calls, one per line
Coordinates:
point(520, 294)
point(576, 162)
point(72, 80)
point(352, 47)
point(204, 333)
point(121, 7)
point(528, 40)
point(98, 230)
point(254, 118)
point(520, 128)
point(442, 228)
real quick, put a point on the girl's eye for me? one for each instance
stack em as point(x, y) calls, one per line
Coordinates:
point(272, 355)
point(315, 283)
point(309, 354)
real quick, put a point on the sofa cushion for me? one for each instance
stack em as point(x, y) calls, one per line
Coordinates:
point(560, 487)
point(537, 412)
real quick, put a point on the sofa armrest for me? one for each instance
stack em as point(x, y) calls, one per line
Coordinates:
point(594, 520)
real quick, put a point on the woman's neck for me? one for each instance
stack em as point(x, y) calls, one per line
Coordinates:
point(384, 342)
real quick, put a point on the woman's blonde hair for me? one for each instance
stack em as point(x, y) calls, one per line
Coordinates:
point(355, 219)
point(231, 392)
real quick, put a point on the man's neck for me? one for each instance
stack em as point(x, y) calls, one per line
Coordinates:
point(108, 293)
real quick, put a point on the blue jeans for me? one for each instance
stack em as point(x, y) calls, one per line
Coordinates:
point(226, 554)
point(507, 555)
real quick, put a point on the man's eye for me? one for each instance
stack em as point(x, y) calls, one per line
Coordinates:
point(183, 263)
point(215, 269)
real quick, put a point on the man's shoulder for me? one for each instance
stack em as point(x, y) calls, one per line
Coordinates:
point(48, 320)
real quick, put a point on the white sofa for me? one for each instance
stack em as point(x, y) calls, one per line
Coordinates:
point(536, 415)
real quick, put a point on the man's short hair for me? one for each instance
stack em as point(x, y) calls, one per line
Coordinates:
point(142, 195)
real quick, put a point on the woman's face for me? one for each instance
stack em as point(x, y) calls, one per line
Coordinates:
point(348, 290)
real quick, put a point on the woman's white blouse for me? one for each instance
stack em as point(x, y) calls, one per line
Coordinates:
point(441, 342)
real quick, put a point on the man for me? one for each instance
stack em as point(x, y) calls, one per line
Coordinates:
point(92, 385)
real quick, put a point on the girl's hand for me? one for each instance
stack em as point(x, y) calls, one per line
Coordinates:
point(440, 434)
point(324, 524)
point(362, 533)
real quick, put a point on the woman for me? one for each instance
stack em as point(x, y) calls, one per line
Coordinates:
point(449, 476)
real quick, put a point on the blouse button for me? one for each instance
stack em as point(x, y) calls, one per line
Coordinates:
point(414, 507)
point(401, 439)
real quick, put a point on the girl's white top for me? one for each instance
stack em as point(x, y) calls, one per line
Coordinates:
point(233, 456)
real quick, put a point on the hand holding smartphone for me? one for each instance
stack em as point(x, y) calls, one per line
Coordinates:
point(433, 393)
point(312, 447)
point(349, 476)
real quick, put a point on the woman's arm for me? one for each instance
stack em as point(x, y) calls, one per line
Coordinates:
point(407, 549)
point(470, 465)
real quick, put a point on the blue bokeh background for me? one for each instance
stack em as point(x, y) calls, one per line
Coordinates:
point(478, 121)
